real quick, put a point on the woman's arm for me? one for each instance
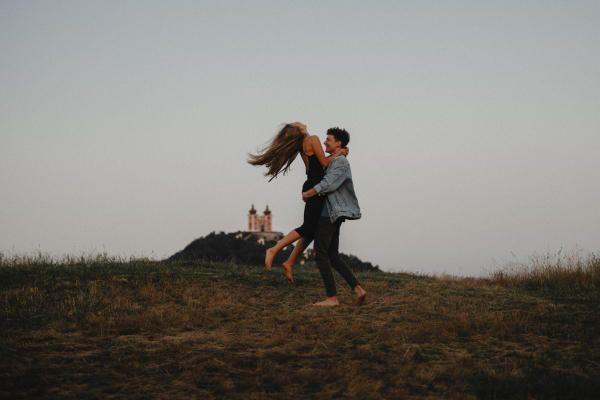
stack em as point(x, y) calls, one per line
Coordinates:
point(318, 150)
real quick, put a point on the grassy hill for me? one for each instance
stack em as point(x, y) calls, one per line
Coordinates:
point(99, 327)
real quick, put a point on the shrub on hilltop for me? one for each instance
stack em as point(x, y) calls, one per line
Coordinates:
point(226, 247)
point(353, 262)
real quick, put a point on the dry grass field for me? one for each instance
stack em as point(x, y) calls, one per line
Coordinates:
point(97, 327)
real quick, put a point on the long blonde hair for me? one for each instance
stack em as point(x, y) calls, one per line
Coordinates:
point(280, 152)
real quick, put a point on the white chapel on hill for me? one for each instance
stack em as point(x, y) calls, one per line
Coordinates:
point(261, 226)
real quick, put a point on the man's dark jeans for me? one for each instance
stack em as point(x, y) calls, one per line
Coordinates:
point(327, 243)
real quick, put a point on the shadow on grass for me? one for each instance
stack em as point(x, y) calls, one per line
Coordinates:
point(540, 383)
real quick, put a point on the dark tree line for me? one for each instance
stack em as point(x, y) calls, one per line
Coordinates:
point(226, 247)
point(353, 262)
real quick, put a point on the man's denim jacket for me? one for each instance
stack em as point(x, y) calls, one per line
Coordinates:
point(337, 185)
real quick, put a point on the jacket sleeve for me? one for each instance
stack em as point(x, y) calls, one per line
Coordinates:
point(334, 177)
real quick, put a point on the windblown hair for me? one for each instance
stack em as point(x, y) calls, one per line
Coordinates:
point(280, 152)
point(340, 135)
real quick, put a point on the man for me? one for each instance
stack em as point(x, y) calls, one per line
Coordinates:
point(341, 204)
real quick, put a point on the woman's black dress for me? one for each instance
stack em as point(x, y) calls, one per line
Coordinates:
point(314, 205)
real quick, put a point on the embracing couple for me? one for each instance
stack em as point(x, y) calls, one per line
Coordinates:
point(329, 196)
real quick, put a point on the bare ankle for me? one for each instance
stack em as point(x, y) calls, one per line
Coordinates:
point(328, 302)
point(287, 270)
point(270, 256)
point(361, 294)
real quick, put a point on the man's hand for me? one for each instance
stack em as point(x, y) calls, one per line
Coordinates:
point(310, 193)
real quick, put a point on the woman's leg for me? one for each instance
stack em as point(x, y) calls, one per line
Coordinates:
point(288, 266)
point(286, 241)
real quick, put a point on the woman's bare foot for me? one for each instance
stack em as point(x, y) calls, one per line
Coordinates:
point(360, 296)
point(287, 269)
point(269, 258)
point(328, 302)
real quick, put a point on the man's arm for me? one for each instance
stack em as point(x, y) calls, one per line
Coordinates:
point(335, 176)
point(309, 193)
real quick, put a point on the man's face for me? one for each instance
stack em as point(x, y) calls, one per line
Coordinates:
point(331, 145)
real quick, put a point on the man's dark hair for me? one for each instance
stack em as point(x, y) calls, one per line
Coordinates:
point(340, 135)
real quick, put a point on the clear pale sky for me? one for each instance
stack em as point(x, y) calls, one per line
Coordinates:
point(475, 126)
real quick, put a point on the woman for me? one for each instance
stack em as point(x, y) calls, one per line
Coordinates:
point(277, 156)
